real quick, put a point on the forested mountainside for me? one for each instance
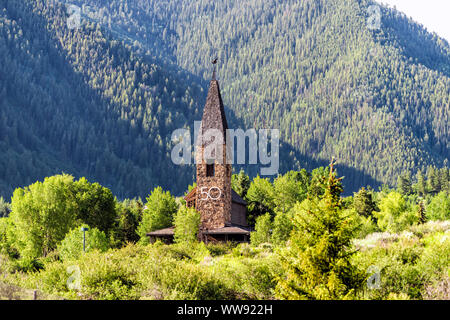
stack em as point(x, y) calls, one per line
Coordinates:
point(102, 101)
point(84, 103)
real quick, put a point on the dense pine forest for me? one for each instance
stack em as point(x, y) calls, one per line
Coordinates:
point(83, 103)
point(102, 100)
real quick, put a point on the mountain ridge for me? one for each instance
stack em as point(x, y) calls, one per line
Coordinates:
point(312, 69)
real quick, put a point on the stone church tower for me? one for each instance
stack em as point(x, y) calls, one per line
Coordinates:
point(222, 210)
point(214, 194)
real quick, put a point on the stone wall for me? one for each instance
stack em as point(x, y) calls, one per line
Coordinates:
point(214, 212)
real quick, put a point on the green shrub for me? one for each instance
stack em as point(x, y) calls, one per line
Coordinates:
point(160, 208)
point(187, 223)
point(221, 248)
point(407, 267)
point(129, 215)
point(397, 296)
point(5, 208)
point(43, 213)
point(6, 245)
point(282, 227)
point(7, 265)
point(27, 264)
point(53, 279)
point(438, 289)
point(439, 207)
point(195, 252)
point(429, 227)
point(435, 258)
point(243, 249)
point(395, 214)
point(184, 281)
point(395, 276)
point(263, 229)
point(72, 246)
point(363, 225)
point(249, 277)
point(106, 277)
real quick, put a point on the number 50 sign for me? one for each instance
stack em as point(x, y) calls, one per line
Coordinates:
point(207, 194)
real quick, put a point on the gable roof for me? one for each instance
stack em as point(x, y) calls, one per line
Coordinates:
point(191, 194)
point(228, 230)
point(236, 198)
point(162, 232)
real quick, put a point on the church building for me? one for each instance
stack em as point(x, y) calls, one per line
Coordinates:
point(222, 210)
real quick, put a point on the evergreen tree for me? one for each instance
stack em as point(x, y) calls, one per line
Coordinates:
point(318, 182)
point(421, 185)
point(363, 203)
point(318, 263)
point(240, 183)
point(444, 179)
point(421, 212)
point(433, 181)
point(129, 216)
point(404, 184)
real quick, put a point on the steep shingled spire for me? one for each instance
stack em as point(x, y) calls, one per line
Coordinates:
point(214, 111)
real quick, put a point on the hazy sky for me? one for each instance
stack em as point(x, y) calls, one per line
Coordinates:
point(433, 14)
